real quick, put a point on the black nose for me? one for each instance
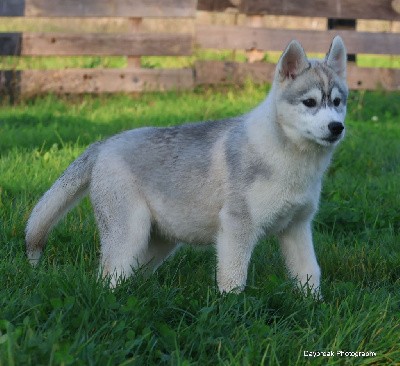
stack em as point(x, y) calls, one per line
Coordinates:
point(336, 128)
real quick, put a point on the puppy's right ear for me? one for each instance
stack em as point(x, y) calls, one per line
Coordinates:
point(293, 61)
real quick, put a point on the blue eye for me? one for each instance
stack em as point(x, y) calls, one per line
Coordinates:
point(310, 102)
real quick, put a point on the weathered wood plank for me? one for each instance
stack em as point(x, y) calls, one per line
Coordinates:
point(77, 81)
point(130, 44)
point(218, 5)
point(343, 9)
point(236, 37)
point(360, 78)
point(98, 8)
point(220, 72)
point(33, 82)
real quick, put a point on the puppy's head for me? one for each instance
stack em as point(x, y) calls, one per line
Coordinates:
point(311, 95)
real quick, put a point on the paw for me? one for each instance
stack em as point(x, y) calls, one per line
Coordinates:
point(230, 289)
point(34, 257)
point(230, 285)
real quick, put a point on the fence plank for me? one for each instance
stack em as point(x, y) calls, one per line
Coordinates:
point(130, 44)
point(236, 37)
point(342, 9)
point(220, 72)
point(373, 78)
point(98, 8)
point(218, 5)
point(76, 81)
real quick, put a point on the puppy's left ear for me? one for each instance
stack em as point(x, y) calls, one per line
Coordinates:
point(336, 58)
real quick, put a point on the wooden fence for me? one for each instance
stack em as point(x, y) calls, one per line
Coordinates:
point(137, 43)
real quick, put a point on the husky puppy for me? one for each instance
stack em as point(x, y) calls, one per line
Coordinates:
point(226, 182)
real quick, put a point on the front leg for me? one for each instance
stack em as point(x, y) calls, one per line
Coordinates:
point(235, 244)
point(298, 251)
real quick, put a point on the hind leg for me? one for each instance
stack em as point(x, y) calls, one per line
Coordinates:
point(124, 242)
point(133, 249)
point(123, 218)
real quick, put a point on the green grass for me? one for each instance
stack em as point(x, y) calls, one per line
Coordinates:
point(89, 62)
point(60, 314)
point(164, 62)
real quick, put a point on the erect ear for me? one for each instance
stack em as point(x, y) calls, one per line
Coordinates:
point(336, 58)
point(293, 61)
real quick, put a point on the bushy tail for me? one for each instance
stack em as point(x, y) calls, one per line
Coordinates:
point(66, 192)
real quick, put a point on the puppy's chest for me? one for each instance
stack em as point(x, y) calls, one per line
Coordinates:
point(275, 203)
